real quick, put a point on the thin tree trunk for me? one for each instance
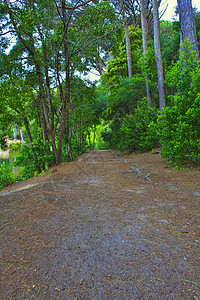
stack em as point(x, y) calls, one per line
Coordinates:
point(28, 131)
point(15, 133)
point(128, 44)
point(89, 140)
point(188, 29)
point(43, 101)
point(21, 134)
point(44, 128)
point(94, 137)
point(66, 96)
point(70, 151)
point(128, 52)
point(47, 78)
point(145, 47)
point(39, 74)
point(48, 86)
point(37, 109)
point(158, 56)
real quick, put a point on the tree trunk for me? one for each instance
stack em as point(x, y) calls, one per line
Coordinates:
point(158, 56)
point(89, 140)
point(128, 44)
point(48, 89)
point(188, 29)
point(128, 52)
point(21, 134)
point(43, 101)
point(44, 111)
point(145, 47)
point(70, 151)
point(66, 96)
point(37, 110)
point(44, 127)
point(15, 133)
point(48, 86)
point(28, 131)
point(94, 137)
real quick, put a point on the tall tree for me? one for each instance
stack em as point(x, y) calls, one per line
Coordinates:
point(144, 41)
point(127, 35)
point(117, 66)
point(188, 29)
point(158, 55)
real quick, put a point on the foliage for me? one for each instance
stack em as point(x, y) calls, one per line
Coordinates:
point(147, 64)
point(170, 41)
point(85, 110)
point(123, 100)
point(110, 134)
point(52, 45)
point(179, 124)
point(138, 130)
point(33, 160)
point(15, 145)
point(6, 176)
point(117, 66)
point(97, 21)
point(3, 144)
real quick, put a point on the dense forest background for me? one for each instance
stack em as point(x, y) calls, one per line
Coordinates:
point(148, 94)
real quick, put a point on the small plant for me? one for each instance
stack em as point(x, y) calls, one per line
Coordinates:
point(177, 167)
point(6, 176)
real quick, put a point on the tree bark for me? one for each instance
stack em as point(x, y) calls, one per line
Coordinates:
point(145, 47)
point(66, 96)
point(48, 85)
point(93, 144)
point(28, 131)
point(128, 44)
point(188, 29)
point(36, 109)
point(21, 135)
point(89, 141)
point(43, 100)
point(158, 55)
point(15, 134)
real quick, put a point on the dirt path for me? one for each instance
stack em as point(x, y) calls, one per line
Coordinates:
point(102, 227)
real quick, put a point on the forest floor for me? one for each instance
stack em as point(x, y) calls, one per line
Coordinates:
point(102, 227)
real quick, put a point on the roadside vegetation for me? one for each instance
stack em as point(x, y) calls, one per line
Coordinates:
point(49, 103)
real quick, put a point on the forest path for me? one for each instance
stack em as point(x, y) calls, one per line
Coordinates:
point(102, 227)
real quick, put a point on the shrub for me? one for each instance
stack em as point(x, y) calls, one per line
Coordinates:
point(138, 131)
point(179, 125)
point(15, 145)
point(6, 176)
point(33, 160)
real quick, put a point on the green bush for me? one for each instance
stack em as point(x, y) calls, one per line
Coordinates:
point(179, 125)
point(6, 176)
point(33, 160)
point(15, 146)
point(138, 131)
